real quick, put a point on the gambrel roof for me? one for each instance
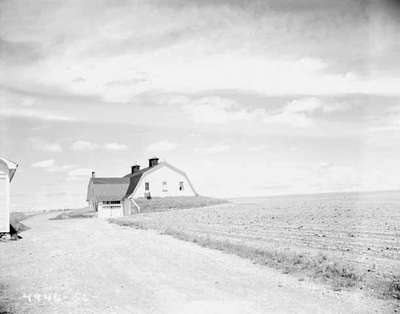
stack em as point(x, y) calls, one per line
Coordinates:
point(137, 177)
point(107, 189)
point(116, 189)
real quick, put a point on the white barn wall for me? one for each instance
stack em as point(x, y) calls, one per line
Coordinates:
point(4, 198)
point(157, 177)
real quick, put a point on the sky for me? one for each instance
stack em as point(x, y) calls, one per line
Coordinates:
point(249, 98)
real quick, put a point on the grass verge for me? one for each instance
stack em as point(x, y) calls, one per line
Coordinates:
point(6, 303)
point(180, 202)
point(76, 213)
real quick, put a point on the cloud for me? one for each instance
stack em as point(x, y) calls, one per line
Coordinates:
point(124, 83)
point(301, 112)
point(82, 146)
point(304, 105)
point(257, 148)
point(33, 114)
point(44, 163)
point(389, 121)
point(16, 105)
point(215, 110)
point(221, 111)
point(296, 113)
point(49, 165)
point(73, 172)
point(161, 146)
point(202, 47)
point(63, 168)
point(78, 80)
point(214, 149)
point(42, 145)
point(19, 52)
point(115, 146)
point(79, 174)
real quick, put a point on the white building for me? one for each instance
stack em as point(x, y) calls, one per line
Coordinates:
point(115, 197)
point(7, 171)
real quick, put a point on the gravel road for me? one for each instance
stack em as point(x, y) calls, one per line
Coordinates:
point(91, 266)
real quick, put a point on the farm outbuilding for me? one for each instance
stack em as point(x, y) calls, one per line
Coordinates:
point(7, 171)
point(115, 197)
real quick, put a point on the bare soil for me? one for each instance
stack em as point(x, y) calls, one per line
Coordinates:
point(91, 266)
point(350, 241)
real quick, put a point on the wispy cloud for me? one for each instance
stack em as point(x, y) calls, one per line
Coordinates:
point(115, 146)
point(213, 149)
point(62, 168)
point(79, 174)
point(161, 146)
point(300, 112)
point(296, 113)
point(128, 82)
point(72, 172)
point(79, 80)
point(173, 48)
point(82, 145)
point(33, 114)
point(42, 145)
point(216, 110)
point(44, 163)
point(50, 165)
point(16, 105)
point(256, 148)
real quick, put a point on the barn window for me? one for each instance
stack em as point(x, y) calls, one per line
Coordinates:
point(164, 186)
point(111, 204)
point(181, 186)
point(147, 186)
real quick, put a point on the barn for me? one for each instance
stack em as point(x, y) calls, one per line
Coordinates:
point(115, 197)
point(7, 171)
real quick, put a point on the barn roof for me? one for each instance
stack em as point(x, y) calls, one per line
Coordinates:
point(116, 189)
point(109, 180)
point(107, 189)
point(133, 182)
point(134, 179)
point(12, 167)
point(138, 173)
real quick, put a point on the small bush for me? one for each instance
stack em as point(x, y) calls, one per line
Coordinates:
point(394, 288)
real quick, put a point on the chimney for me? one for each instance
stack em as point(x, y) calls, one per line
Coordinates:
point(93, 174)
point(135, 168)
point(153, 162)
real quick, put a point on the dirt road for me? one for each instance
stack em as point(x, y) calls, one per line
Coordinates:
point(91, 266)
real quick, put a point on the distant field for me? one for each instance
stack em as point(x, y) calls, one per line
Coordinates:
point(346, 240)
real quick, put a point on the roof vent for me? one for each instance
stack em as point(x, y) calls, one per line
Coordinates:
point(153, 162)
point(93, 174)
point(135, 168)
